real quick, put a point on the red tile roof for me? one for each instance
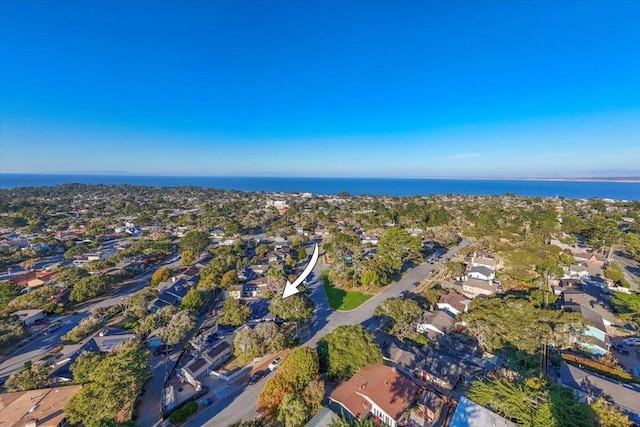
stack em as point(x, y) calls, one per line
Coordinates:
point(382, 385)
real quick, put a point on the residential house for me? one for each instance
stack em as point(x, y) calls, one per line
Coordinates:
point(589, 387)
point(207, 362)
point(482, 261)
point(582, 256)
point(435, 323)
point(42, 408)
point(429, 406)
point(375, 390)
point(470, 414)
point(172, 293)
point(579, 271)
point(369, 239)
point(597, 260)
point(481, 273)
point(234, 291)
point(474, 287)
point(111, 343)
point(598, 342)
point(454, 303)
point(29, 317)
point(259, 269)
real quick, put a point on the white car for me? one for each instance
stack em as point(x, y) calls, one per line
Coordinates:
point(273, 365)
point(632, 341)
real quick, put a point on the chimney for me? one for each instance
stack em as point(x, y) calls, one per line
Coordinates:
point(173, 279)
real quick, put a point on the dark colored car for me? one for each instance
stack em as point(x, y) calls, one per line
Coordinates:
point(257, 376)
point(415, 284)
point(403, 294)
point(620, 348)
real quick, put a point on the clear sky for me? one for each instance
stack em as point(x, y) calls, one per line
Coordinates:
point(321, 88)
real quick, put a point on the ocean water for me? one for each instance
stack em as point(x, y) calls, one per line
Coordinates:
point(356, 186)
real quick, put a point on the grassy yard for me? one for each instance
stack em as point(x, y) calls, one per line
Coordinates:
point(340, 299)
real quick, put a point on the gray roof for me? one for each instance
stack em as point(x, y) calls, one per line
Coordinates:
point(625, 396)
point(470, 414)
point(480, 284)
point(322, 418)
point(486, 271)
point(108, 343)
point(441, 319)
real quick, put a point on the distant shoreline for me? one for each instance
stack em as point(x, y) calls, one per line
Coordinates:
point(630, 179)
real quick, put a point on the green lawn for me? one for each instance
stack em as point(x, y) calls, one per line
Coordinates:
point(340, 299)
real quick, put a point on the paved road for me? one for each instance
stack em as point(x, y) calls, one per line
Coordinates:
point(242, 404)
point(630, 267)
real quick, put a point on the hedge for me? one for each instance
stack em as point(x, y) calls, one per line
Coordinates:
point(183, 413)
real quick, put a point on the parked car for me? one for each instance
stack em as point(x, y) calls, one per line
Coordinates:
point(257, 376)
point(415, 284)
point(632, 341)
point(403, 294)
point(273, 365)
point(620, 348)
point(52, 328)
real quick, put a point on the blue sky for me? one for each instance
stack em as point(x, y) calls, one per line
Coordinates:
point(375, 88)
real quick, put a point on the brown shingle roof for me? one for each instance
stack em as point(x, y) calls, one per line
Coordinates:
point(383, 385)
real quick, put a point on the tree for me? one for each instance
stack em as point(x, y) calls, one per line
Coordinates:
point(402, 311)
point(272, 395)
point(177, 328)
point(68, 276)
point(346, 350)
point(8, 291)
point(160, 275)
point(313, 394)
point(627, 306)
point(397, 246)
point(532, 402)
point(296, 308)
point(292, 411)
point(195, 241)
point(84, 366)
point(233, 313)
point(193, 300)
point(614, 272)
point(302, 254)
point(32, 376)
point(517, 323)
point(110, 388)
point(300, 367)
point(229, 278)
point(609, 416)
point(90, 287)
point(271, 338)
point(187, 257)
point(247, 345)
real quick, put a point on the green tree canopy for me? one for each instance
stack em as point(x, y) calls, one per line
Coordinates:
point(296, 308)
point(300, 367)
point(532, 403)
point(110, 388)
point(193, 300)
point(195, 241)
point(346, 350)
point(609, 416)
point(160, 275)
point(402, 311)
point(234, 313)
point(397, 246)
point(517, 323)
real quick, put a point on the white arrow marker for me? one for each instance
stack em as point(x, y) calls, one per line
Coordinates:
point(292, 288)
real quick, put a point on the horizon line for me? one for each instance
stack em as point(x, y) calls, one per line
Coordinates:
point(593, 178)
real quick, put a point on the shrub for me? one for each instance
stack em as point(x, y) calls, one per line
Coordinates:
point(183, 413)
point(595, 366)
